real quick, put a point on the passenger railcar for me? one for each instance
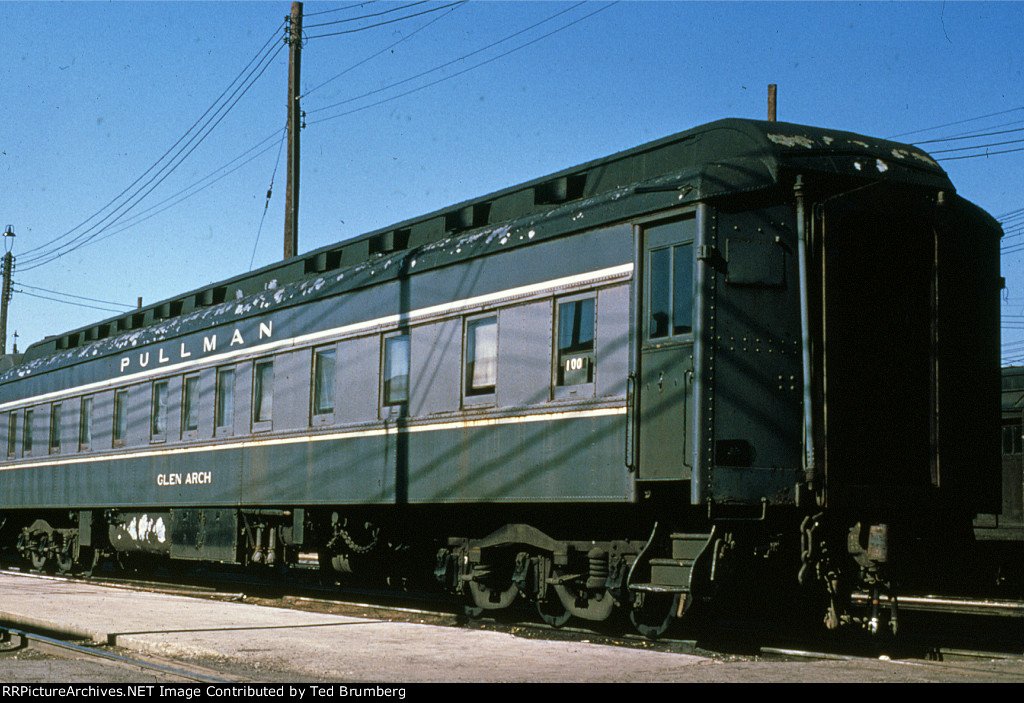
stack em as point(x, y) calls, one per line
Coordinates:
point(1001, 534)
point(750, 353)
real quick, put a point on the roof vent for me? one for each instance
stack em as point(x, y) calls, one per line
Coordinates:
point(468, 217)
point(211, 296)
point(387, 242)
point(560, 190)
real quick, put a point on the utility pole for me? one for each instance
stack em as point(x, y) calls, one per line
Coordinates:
point(291, 197)
point(5, 293)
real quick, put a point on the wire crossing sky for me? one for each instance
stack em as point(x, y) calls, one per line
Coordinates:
point(139, 142)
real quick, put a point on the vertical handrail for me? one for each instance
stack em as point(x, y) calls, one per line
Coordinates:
point(810, 468)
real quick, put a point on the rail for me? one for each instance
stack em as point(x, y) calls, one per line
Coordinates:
point(90, 651)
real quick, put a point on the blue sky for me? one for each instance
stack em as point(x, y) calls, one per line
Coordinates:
point(96, 93)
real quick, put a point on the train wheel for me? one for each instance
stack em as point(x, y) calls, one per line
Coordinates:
point(492, 598)
point(472, 611)
point(328, 576)
point(553, 612)
point(66, 555)
point(38, 560)
point(89, 558)
point(652, 614)
point(64, 562)
point(596, 606)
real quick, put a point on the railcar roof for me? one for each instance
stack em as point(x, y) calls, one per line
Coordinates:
point(726, 157)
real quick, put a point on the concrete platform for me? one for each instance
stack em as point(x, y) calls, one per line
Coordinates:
point(295, 646)
point(322, 647)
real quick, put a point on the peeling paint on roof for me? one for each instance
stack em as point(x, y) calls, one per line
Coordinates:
point(792, 140)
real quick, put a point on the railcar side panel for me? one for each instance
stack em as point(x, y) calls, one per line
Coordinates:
point(756, 378)
point(357, 380)
point(355, 469)
point(524, 353)
point(271, 450)
point(577, 457)
point(150, 478)
point(434, 357)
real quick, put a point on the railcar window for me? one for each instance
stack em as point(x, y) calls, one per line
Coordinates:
point(190, 407)
point(1013, 382)
point(120, 417)
point(12, 433)
point(660, 307)
point(1012, 439)
point(671, 281)
point(158, 413)
point(481, 355)
point(396, 370)
point(323, 381)
point(263, 392)
point(682, 289)
point(27, 433)
point(55, 428)
point(225, 414)
point(85, 425)
point(26, 439)
point(575, 353)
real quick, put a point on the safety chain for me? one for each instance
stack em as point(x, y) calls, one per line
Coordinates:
point(353, 547)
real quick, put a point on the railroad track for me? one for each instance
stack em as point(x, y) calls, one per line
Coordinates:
point(16, 640)
point(303, 592)
point(974, 665)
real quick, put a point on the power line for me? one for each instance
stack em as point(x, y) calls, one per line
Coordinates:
point(459, 73)
point(391, 21)
point(164, 156)
point(363, 17)
point(382, 51)
point(72, 295)
point(263, 61)
point(953, 124)
point(340, 9)
point(974, 135)
point(266, 206)
point(981, 156)
point(151, 212)
point(441, 66)
point(977, 146)
point(968, 133)
point(68, 302)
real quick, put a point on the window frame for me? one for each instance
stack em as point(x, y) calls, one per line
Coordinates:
point(261, 422)
point(317, 414)
point(26, 432)
point(54, 438)
point(12, 433)
point(219, 409)
point(155, 411)
point(190, 400)
point(587, 387)
point(668, 242)
point(388, 404)
point(1012, 437)
point(85, 409)
point(120, 402)
point(473, 395)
